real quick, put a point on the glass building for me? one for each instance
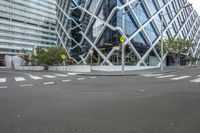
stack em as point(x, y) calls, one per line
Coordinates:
point(25, 24)
point(96, 25)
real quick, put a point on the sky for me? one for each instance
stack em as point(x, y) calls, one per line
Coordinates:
point(196, 5)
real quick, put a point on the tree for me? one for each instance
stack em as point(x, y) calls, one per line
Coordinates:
point(177, 48)
point(49, 56)
point(26, 56)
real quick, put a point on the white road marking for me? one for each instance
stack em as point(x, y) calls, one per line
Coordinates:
point(198, 75)
point(153, 75)
point(3, 87)
point(2, 80)
point(19, 79)
point(181, 77)
point(166, 76)
point(93, 77)
point(35, 77)
point(61, 75)
point(48, 83)
point(80, 78)
point(49, 76)
point(196, 80)
point(26, 85)
point(72, 74)
point(68, 80)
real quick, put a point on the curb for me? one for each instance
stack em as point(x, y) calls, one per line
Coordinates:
point(123, 75)
point(111, 75)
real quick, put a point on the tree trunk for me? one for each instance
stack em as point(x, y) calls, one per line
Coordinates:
point(177, 61)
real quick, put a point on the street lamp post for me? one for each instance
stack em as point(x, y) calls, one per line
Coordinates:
point(162, 37)
point(123, 29)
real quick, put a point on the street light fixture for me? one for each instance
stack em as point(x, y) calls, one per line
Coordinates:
point(162, 36)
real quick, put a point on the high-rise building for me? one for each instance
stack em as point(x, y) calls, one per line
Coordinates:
point(96, 25)
point(25, 24)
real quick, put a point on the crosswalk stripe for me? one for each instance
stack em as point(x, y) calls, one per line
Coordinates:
point(3, 87)
point(166, 76)
point(2, 80)
point(61, 75)
point(153, 75)
point(48, 83)
point(80, 78)
point(49, 76)
point(68, 80)
point(72, 74)
point(19, 79)
point(26, 85)
point(35, 77)
point(181, 77)
point(195, 80)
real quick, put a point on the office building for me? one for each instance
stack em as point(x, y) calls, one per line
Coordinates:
point(92, 29)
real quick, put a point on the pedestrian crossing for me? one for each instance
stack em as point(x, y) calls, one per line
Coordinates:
point(2, 80)
point(34, 77)
point(172, 77)
point(20, 79)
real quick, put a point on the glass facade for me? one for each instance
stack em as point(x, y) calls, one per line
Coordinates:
point(97, 25)
point(27, 23)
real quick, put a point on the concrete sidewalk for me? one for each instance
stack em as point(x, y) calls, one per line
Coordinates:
point(138, 72)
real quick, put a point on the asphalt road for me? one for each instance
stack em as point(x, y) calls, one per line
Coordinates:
point(163, 103)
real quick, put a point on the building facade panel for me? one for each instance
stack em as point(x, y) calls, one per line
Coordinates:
point(96, 25)
point(27, 23)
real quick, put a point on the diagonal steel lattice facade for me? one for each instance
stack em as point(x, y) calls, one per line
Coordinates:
point(96, 25)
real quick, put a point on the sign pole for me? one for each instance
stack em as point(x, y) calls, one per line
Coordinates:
point(122, 39)
point(63, 56)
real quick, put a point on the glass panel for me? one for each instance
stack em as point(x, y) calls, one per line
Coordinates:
point(93, 5)
point(106, 8)
point(151, 32)
point(152, 59)
point(140, 44)
point(140, 12)
point(85, 21)
point(151, 6)
point(94, 30)
point(109, 37)
point(75, 52)
point(161, 3)
point(130, 25)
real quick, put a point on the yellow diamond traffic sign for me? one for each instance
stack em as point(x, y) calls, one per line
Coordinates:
point(63, 56)
point(122, 39)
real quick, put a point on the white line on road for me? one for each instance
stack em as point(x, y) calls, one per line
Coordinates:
point(166, 76)
point(2, 80)
point(49, 76)
point(19, 79)
point(80, 78)
point(3, 87)
point(61, 75)
point(72, 74)
point(48, 83)
point(68, 80)
point(26, 85)
point(35, 77)
point(181, 77)
point(196, 80)
point(153, 75)
point(93, 77)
